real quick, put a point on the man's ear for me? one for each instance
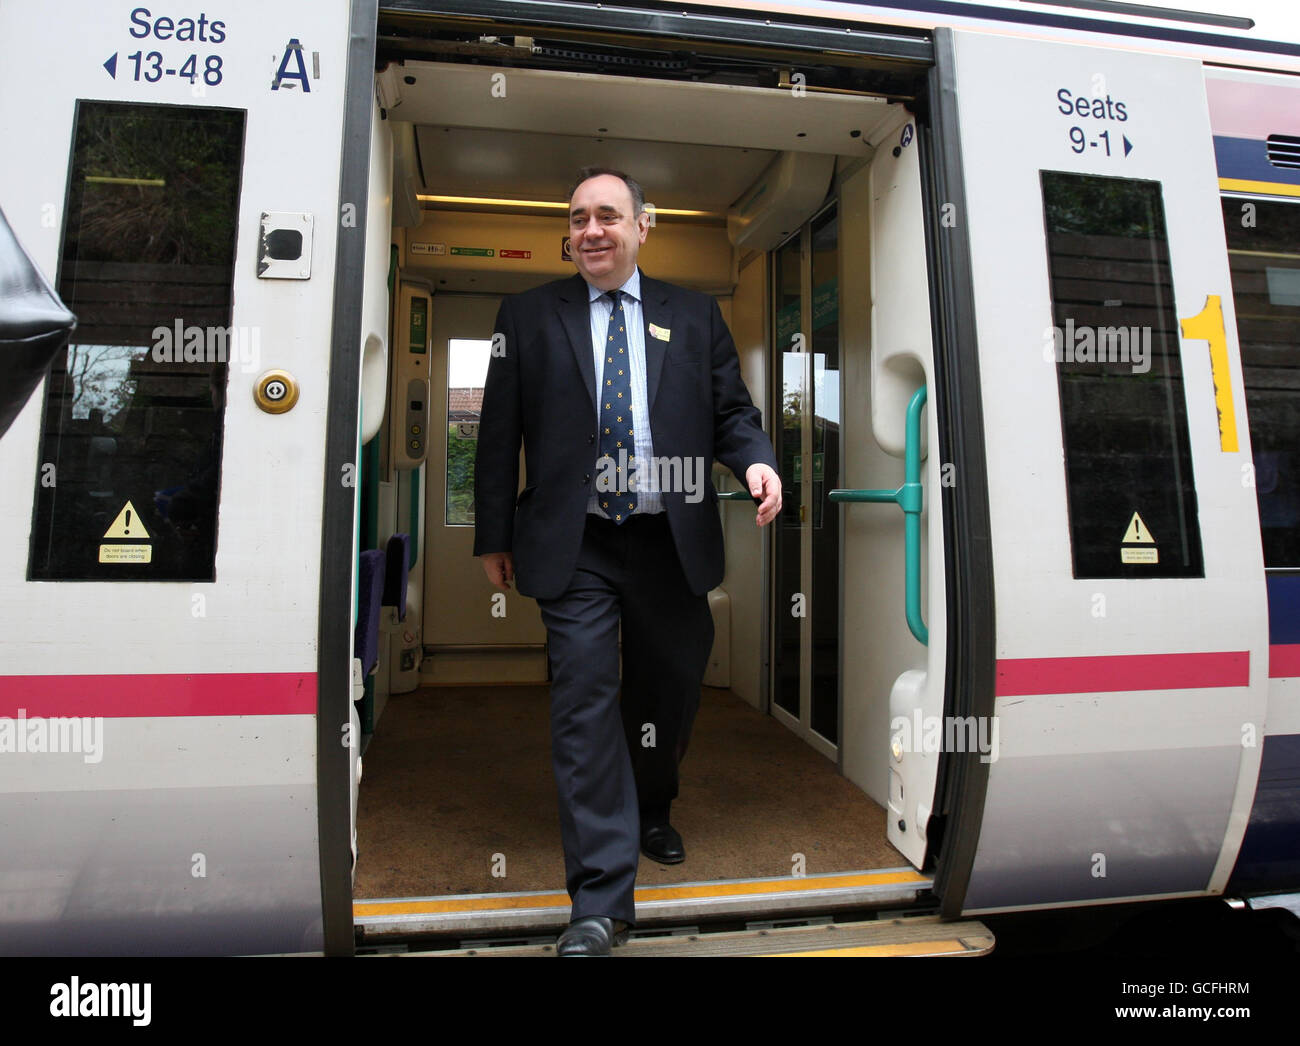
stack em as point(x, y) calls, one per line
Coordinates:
point(643, 225)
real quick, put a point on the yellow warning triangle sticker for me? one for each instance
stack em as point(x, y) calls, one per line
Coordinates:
point(127, 524)
point(1137, 533)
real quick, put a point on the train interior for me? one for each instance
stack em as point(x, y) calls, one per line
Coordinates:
point(777, 196)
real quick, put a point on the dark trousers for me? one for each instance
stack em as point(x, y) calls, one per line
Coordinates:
point(616, 762)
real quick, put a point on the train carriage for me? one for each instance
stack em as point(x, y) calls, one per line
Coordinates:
point(1015, 286)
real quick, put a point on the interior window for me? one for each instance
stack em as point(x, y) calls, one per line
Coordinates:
point(467, 365)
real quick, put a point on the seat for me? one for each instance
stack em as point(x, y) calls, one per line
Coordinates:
point(370, 589)
point(396, 573)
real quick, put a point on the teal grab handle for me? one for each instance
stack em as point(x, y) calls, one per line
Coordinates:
point(908, 498)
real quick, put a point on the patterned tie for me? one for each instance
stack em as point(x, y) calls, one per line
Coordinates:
point(616, 419)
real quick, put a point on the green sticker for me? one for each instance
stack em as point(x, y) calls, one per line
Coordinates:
point(419, 324)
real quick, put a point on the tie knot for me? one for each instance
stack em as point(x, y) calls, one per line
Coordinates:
point(613, 296)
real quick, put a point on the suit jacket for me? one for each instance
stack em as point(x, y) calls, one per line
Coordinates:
point(541, 389)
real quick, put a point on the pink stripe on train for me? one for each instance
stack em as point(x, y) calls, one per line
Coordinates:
point(1252, 110)
point(1284, 661)
point(1121, 672)
point(181, 694)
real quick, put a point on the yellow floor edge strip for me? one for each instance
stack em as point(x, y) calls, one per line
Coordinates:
point(644, 894)
point(506, 902)
point(910, 948)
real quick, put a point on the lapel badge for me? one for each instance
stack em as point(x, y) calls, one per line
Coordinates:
point(662, 333)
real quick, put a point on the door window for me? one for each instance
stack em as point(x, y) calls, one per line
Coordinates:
point(807, 562)
point(130, 463)
point(1128, 462)
point(825, 418)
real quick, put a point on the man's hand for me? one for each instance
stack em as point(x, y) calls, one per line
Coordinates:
point(500, 568)
point(765, 484)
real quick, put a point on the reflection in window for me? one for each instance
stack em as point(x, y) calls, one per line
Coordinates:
point(101, 380)
point(467, 367)
point(1264, 254)
point(129, 469)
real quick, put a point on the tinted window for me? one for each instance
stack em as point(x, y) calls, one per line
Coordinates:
point(1128, 465)
point(1264, 252)
point(130, 463)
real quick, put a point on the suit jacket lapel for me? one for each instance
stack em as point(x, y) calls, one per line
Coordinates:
point(654, 310)
point(575, 314)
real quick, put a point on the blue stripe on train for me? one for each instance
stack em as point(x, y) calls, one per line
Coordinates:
point(1283, 609)
point(1270, 853)
point(1247, 158)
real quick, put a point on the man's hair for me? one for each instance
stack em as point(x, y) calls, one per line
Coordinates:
point(638, 195)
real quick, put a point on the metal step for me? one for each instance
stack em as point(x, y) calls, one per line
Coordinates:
point(922, 935)
point(655, 905)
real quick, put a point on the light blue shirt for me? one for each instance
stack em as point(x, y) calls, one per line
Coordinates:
point(647, 478)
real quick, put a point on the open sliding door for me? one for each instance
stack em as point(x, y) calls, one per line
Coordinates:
point(1131, 627)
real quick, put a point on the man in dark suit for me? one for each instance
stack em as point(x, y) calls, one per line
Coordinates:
point(618, 524)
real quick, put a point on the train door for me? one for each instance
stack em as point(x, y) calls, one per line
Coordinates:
point(1255, 117)
point(859, 650)
point(1131, 621)
point(739, 167)
point(467, 647)
point(163, 489)
point(895, 665)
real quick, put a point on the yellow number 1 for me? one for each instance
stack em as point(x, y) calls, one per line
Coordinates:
point(1208, 325)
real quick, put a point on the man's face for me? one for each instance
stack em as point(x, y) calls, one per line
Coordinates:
point(604, 236)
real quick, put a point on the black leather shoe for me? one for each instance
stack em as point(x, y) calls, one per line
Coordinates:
point(594, 935)
point(660, 842)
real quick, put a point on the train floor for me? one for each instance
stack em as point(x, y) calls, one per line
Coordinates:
point(457, 797)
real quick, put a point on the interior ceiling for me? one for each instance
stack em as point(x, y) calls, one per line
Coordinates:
point(691, 145)
point(527, 165)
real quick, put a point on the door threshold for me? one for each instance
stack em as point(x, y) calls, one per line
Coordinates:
point(915, 936)
point(672, 903)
